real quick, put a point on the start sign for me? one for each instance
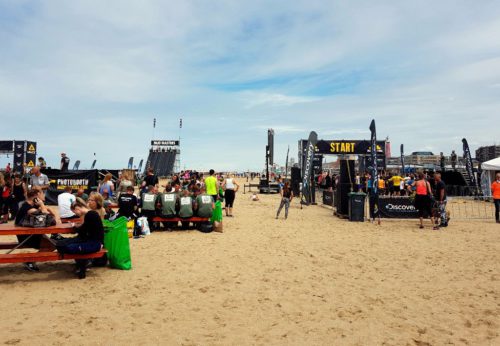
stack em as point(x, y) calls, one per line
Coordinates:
point(345, 147)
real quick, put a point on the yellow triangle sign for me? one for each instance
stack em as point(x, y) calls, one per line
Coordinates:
point(31, 147)
point(31, 164)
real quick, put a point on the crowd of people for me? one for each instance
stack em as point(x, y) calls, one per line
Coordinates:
point(427, 190)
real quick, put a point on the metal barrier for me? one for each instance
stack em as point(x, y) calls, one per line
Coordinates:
point(470, 208)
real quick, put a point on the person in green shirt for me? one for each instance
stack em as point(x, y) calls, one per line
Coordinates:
point(186, 205)
point(204, 204)
point(148, 205)
point(168, 203)
point(212, 185)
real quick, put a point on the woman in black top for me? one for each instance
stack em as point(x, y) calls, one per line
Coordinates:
point(286, 198)
point(19, 193)
point(90, 235)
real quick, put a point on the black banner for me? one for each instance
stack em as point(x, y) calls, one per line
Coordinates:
point(6, 146)
point(130, 163)
point(317, 164)
point(307, 168)
point(468, 164)
point(397, 207)
point(402, 160)
point(165, 143)
point(19, 154)
point(30, 158)
point(58, 180)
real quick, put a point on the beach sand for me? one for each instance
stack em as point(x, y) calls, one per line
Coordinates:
point(313, 279)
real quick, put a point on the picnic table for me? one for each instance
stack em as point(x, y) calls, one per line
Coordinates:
point(47, 251)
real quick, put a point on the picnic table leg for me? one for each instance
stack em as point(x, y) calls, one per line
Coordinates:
point(47, 244)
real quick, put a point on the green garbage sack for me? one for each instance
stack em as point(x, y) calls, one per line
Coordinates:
point(217, 213)
point(116, 242)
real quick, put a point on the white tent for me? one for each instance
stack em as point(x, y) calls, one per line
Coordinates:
point(489, 168)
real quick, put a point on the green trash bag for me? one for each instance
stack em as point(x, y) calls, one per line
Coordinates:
point(116, 242)
point(217, 214)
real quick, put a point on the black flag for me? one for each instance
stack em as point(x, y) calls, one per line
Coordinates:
point(180, 123)
point(402, 160)
point(468, 165)
point(373, 153)
point(373, 197)
point(286, 163)
point(130, 162)
point(307, 168)
point(154, 123)
point(140, 166)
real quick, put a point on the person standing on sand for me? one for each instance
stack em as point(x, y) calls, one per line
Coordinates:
point(286, 198)
point(423, 201)
point(230, 188)
point(495, 191)
point(212, 185)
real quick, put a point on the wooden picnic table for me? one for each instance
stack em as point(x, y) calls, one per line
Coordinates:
point(47, 246)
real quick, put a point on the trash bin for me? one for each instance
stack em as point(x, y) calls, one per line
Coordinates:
point(357, 206)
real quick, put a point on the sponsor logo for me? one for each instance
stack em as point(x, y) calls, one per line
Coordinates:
point(400, 207)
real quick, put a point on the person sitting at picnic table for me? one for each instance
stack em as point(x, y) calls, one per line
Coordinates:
point(107, 185)
point(186, 207)
point(204, 204)
point(81, 193)
point(90, 236)
point(148, 204)
point(33, 204)
point(125, 183)
point(127, 203)
point(96, 203)
point(64, 201)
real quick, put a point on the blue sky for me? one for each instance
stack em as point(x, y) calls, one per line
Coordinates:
point(88, 77)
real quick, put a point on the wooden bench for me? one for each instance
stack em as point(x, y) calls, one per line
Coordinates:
point(74, 220)
point(177, 219)
point(47, 256)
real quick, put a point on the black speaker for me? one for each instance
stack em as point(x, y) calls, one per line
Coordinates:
point(296, 179)
point(346, 182)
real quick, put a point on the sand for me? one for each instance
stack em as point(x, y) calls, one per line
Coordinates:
point(313, 279)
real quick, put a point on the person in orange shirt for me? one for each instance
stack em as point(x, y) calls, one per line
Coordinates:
point(495, 191)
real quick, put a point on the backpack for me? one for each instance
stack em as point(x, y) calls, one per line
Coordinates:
point(38, 220)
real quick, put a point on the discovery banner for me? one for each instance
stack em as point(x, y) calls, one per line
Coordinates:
point(397, 207)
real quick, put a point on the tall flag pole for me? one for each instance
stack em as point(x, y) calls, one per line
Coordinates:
point(307, 168)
